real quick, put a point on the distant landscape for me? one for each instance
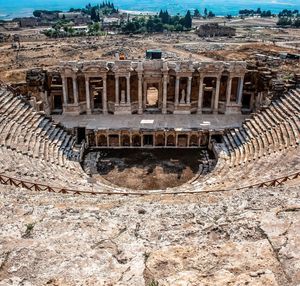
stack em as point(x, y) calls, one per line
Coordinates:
point(23, 8)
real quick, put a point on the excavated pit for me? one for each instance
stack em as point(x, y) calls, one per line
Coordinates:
point(146, 169)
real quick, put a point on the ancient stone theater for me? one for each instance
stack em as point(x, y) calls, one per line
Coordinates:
point(239, 119)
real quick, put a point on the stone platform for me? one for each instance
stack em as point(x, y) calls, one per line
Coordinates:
point(152, 121)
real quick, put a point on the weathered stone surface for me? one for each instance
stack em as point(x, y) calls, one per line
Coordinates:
point(211, 239)
point(282, 228)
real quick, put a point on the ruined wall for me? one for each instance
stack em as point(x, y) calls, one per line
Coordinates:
point(215, 30)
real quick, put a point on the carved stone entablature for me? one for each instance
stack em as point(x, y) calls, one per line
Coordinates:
point(69, 69)
point(236, 69)
point(155, 68)
point(95, 68)
point(211, 68)
point(184, 68)
point(122, 68)
point(152, 65)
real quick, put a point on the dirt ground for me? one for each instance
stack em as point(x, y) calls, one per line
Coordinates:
point(253, 36)
point(148, 169)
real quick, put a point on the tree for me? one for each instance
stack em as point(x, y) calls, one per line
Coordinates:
point(266, 13)
point(94, 14)
point(211, 14)
point(164, 16)
point(205, 12)
point(130, 27)
point(284, 21)
point(188, 20)
point(197, 13)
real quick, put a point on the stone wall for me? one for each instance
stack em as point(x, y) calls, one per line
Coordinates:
point(215, 30)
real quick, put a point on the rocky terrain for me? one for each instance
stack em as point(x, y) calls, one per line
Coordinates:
point(38, 51)
point(249, 237)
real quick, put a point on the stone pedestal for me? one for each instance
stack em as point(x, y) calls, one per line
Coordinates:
point(72, 109)
point(183, 109)
point(233, 108)
point(121, 109)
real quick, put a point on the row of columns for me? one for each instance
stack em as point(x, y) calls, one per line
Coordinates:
point(165, 92)
point(217, 94)
point(166, 136)
point(117, 90)
point(88, 96)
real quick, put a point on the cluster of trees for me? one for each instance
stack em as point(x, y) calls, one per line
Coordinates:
point(158, 23)
point(288, 13)
point(38, 13)
point(289, 18)
point(105, 8)
point(206, 14)
point(258, 12)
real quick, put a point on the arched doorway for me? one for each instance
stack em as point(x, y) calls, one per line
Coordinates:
point(160, 140)
point(194, 141)
point(102, 140)
point(136, 140)
point(171, 140)
point(152, 97)
point(125, 140)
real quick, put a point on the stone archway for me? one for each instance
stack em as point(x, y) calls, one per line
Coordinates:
point(152, 97)
point(160, 140)
point(136, 140)
point(102, 140)
point(125, 140)
point(194, 140)
point(171, 140)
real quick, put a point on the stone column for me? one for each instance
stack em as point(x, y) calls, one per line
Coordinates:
point(65, 89)
point(104, 95)
point(189, 89)
point(216, 101)
point(165, 93)
point(75, 89)
point(145, 93)
point(177, 90)
point(117, 93)
point(140, 94)
point(96, 139)
point(228, 91)
point(128, 89)
point(240, 90)
point(87, 94)
point(200, 96)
